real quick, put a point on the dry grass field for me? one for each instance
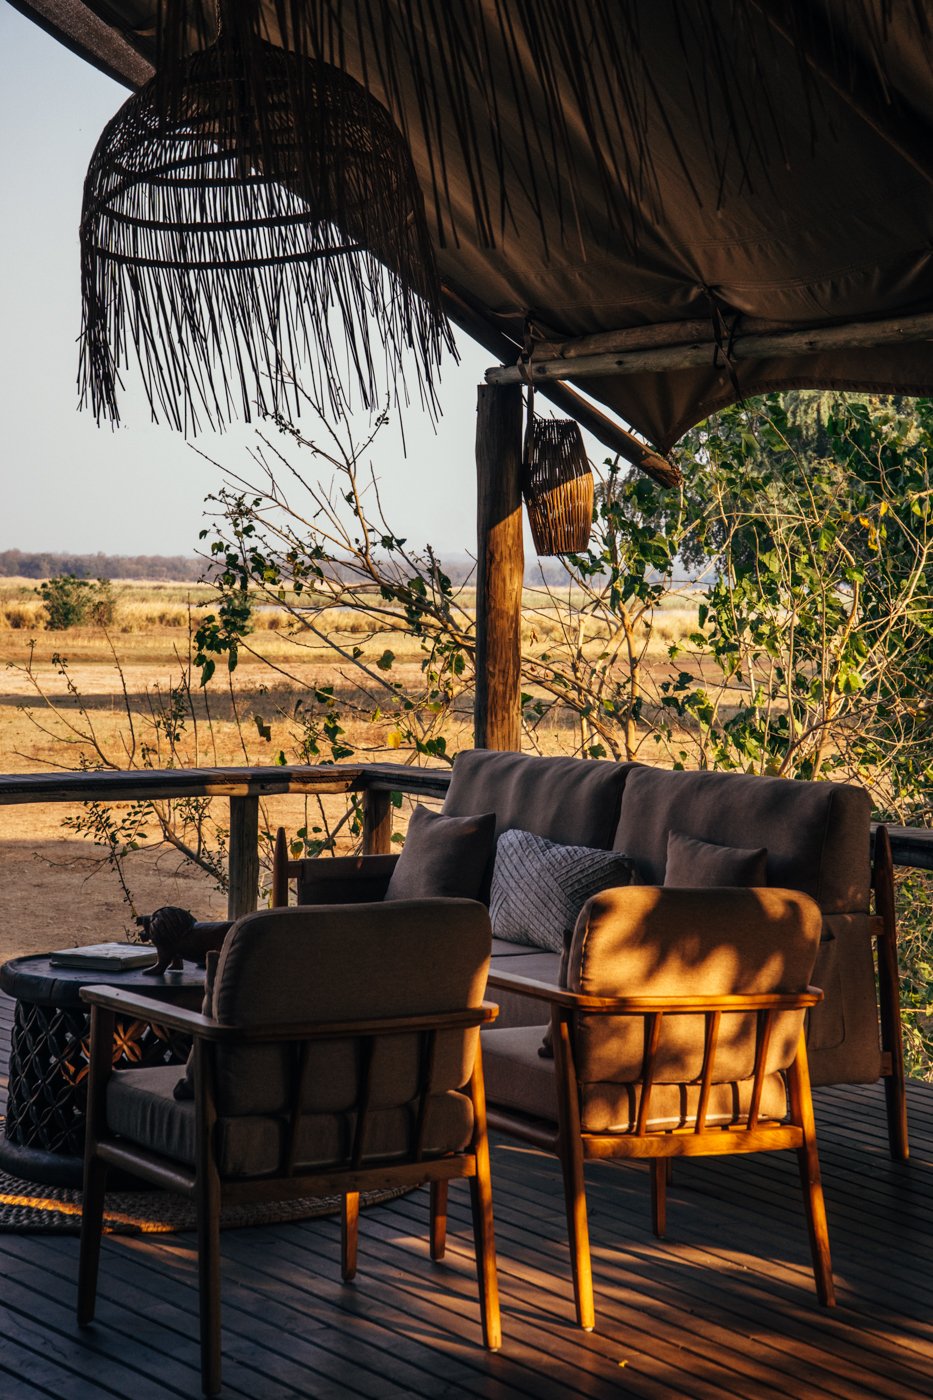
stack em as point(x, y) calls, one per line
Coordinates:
point(56, 887)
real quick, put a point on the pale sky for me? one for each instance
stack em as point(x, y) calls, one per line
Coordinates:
point(69, 485)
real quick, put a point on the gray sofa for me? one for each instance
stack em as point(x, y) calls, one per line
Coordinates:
point(818, 840)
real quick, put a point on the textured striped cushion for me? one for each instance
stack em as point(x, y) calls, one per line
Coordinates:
point(539, 887)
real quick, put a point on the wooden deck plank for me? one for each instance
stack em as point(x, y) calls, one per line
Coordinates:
point(662, 1271)
point(723, 1307)
point(636, 1299)
point(449, 1302)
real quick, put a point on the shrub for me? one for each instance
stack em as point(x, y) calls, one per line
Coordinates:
point(70, 602)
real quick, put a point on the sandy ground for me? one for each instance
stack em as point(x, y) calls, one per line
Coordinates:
point(54, 891)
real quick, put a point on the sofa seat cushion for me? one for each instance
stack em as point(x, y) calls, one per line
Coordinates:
point(517, 1078)
point(516, 1075)
point(141, 1106)
point(514, 1009)
point(816, 834)
point(540, 886)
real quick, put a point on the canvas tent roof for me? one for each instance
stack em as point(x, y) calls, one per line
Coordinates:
point(592, 165)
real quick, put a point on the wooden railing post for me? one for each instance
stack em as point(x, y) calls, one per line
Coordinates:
point(500, 567)
point(377, 822)
point(243, 857)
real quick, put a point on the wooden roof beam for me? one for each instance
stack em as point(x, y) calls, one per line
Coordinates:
point(611, 434)
point(858, 335)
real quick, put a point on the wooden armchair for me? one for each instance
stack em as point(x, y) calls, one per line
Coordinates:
point(335, 880)
point(663, 1075)
point(342, 1055)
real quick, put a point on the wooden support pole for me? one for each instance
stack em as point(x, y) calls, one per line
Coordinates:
point(377, 822)
point(500, 567)
point(243, 861)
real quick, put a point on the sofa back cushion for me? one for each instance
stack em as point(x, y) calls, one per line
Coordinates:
point(326, 963)
point(816, 834)
point(572, 801)
point(650, 942)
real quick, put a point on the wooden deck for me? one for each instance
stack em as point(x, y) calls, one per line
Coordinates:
point(724, 1307)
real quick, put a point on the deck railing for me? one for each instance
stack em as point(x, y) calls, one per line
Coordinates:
point(912, 846)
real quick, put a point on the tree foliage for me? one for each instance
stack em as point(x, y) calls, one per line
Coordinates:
point(813, 650)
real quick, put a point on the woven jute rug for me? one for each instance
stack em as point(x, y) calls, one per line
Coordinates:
point(28, 1206)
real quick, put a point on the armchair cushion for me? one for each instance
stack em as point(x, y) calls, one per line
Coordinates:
point(443, 857)
point(288, 966)
point(539, 887)
point(141, 1106)
point(696, 864)
point(517, 1078)
point(652, 942)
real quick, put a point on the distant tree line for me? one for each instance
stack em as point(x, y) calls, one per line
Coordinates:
point(177, 568)
point(156, 567)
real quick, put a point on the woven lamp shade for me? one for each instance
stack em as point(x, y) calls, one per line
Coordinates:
point(558, 486)
point(245, 214)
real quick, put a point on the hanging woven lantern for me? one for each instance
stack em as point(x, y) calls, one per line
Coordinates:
point(245, 215)
point(557, 485)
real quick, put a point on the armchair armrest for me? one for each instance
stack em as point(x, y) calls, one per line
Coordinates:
point(206, 1028)
point(149, 1009)
point(639, 1006)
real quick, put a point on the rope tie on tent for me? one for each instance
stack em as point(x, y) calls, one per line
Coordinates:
point(724, 339)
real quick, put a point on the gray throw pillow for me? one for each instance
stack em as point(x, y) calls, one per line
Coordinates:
point(539, 887)
point(444, 857)
point(696, 864)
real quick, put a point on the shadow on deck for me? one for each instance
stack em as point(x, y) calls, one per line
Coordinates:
point(724, 1307)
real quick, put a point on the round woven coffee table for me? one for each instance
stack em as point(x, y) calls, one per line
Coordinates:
point(44, 1131)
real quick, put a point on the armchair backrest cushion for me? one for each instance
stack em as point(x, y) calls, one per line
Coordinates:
point(817, 835)
point(572, 801)
point(336, 964)
point(644, 941)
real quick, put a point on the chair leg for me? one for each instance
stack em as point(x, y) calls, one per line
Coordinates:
point(659, 1175)
point(895, 1098)
point(484, 1239)
point(570, 1152)
point(889, 997)
point(349, 1233)
point(208, 1207)
point(808, 1163)
point(438, 1220)
point(207, 1201)
point(484, 1245)
point(571, 1162)
point(95, 1171)
point(92, 1227)
point(817, 1229)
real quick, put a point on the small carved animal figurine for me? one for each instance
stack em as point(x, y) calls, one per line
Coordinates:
point(177, 935)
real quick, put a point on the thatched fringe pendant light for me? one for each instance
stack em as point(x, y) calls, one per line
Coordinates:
point(557, 484)
point(245, 214)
